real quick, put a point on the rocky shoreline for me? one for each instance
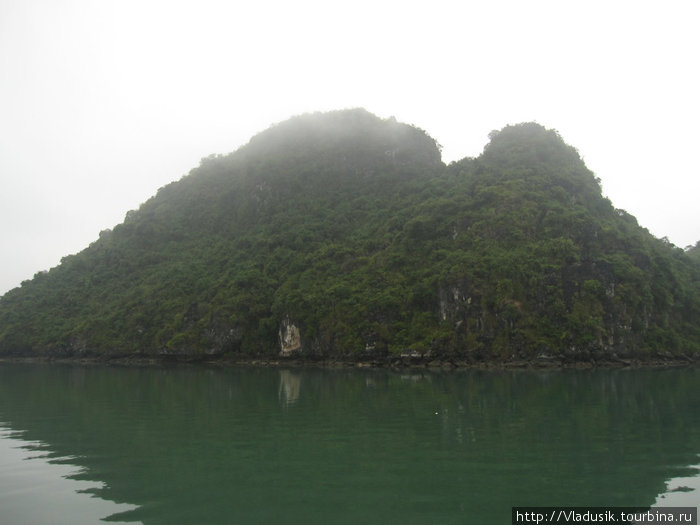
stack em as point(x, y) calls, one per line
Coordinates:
point(394, 362)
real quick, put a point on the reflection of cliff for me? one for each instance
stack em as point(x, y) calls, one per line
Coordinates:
point(212, 446)
point(290, 385)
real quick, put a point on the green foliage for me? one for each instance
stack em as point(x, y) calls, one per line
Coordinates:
point(352, 228)
point(694, 251)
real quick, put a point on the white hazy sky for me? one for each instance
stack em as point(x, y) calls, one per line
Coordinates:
point(103, 102)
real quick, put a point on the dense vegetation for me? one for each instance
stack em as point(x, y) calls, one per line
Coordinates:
point(694, 251)
point(344, 235)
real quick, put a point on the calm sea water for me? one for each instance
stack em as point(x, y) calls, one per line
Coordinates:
point(254, 445)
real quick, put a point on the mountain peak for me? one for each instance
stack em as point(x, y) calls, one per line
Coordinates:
point(528, 144)
point(349, 131)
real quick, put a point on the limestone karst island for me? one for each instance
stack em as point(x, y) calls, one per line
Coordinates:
point(344, 237)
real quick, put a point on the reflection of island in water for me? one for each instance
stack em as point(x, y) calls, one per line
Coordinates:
point(37, 487)
point(196, 445)
point(682, 491)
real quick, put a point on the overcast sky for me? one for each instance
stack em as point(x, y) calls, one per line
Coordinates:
point(103, 102)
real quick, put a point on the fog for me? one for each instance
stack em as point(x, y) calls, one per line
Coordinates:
point(102, 103)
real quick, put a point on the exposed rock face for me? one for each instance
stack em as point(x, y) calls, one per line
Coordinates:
point(290, 338)
point(222, 339)
point(453, 303)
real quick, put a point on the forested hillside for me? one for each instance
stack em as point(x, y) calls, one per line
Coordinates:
point(344, 236)
point(694, 251)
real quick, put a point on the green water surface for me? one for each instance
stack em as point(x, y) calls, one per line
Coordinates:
point(80, 444)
